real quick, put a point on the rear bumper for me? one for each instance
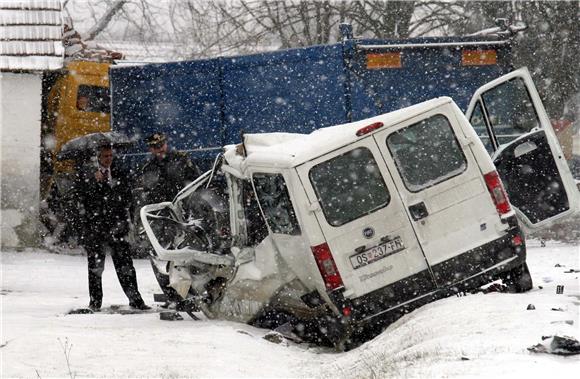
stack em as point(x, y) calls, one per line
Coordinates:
point(467, 271)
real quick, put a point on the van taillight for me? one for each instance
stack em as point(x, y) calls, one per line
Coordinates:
point(517, 240)
point(497, 192)
point(369, 128)
point(327, 267)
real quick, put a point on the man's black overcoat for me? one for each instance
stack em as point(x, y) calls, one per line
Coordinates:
point(104, 207)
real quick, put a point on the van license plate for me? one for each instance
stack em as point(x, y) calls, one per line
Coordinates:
point(376, 253)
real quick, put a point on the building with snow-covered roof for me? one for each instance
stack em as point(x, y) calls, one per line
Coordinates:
point(152, 52)
point(31, 34)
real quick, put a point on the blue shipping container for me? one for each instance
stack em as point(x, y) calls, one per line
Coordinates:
point(203, 105)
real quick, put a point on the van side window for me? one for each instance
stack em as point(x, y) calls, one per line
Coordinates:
point(511, 110)
point(478, 123)
point(349, 186)
point(426, 153)
point(256, 228)
point(275, 201)
point(93, 99)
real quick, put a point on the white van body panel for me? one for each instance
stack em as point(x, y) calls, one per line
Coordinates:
point(461, 213)
point(346, 240)
point(472, 139)
point(294, 250)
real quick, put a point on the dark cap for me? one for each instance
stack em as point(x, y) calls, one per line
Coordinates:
point(155, 139)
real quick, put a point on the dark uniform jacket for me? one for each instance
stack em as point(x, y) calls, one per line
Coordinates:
point(104, 206)
point(163, 178)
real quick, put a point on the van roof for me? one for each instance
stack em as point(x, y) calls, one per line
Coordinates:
point(286, 150)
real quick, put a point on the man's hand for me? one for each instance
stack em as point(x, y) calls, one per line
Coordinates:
point(100, 176)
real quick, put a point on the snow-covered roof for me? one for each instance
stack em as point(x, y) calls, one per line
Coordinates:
point(31, 35)
point(287, 150)
point(152, 52)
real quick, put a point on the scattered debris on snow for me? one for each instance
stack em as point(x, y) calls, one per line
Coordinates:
point(560, 345)
point(274, 337)
point(170, 316)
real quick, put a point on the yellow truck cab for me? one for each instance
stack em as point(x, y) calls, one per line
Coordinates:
point(76, 101)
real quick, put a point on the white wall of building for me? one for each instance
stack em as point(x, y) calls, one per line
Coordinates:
point(20, 98)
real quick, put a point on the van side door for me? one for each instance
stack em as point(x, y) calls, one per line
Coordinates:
point(509, 117)
point(364, 223)
point(444, 193)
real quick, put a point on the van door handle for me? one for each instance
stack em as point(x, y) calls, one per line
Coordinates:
point(418, 211)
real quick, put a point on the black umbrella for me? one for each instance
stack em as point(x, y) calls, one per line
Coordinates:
point(84, 146)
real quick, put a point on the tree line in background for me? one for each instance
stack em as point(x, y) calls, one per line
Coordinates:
point(549, 47)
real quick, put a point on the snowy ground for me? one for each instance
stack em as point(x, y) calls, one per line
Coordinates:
point(483, 335)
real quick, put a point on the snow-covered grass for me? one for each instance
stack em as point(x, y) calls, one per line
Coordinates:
point(484, 335)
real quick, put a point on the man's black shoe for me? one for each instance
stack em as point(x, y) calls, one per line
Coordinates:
point(94, 307)
point(139, 305)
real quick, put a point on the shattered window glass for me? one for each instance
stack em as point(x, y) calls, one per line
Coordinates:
point(253, 225)
point(426, 153)
point(349, 186)
point(275, 201)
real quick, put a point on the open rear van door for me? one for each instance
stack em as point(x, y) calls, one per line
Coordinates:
point(511, 121)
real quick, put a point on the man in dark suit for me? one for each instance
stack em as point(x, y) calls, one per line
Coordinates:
point(104, 195)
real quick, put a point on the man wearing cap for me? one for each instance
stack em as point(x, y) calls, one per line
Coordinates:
point(163, 176)
point(166, 172)
point(103, 194)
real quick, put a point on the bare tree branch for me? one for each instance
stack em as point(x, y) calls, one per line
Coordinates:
point(104, 21)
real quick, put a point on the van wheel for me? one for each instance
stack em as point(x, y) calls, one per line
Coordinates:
point(518, 280)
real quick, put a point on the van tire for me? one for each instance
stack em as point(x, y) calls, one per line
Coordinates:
point(518, 279)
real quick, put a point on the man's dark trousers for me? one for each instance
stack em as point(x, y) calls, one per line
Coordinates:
point(121, 254)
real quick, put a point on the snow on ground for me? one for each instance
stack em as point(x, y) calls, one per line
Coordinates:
point(483, 335)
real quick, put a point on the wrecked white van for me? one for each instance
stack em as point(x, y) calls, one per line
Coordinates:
point(343, 230)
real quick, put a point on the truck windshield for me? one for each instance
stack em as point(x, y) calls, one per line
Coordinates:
point(93, 99)
point(349, 186)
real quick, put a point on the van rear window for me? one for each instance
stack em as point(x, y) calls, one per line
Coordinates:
point(275, 202)
point(93, 99)
point(349, 186)
point(426, 153)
